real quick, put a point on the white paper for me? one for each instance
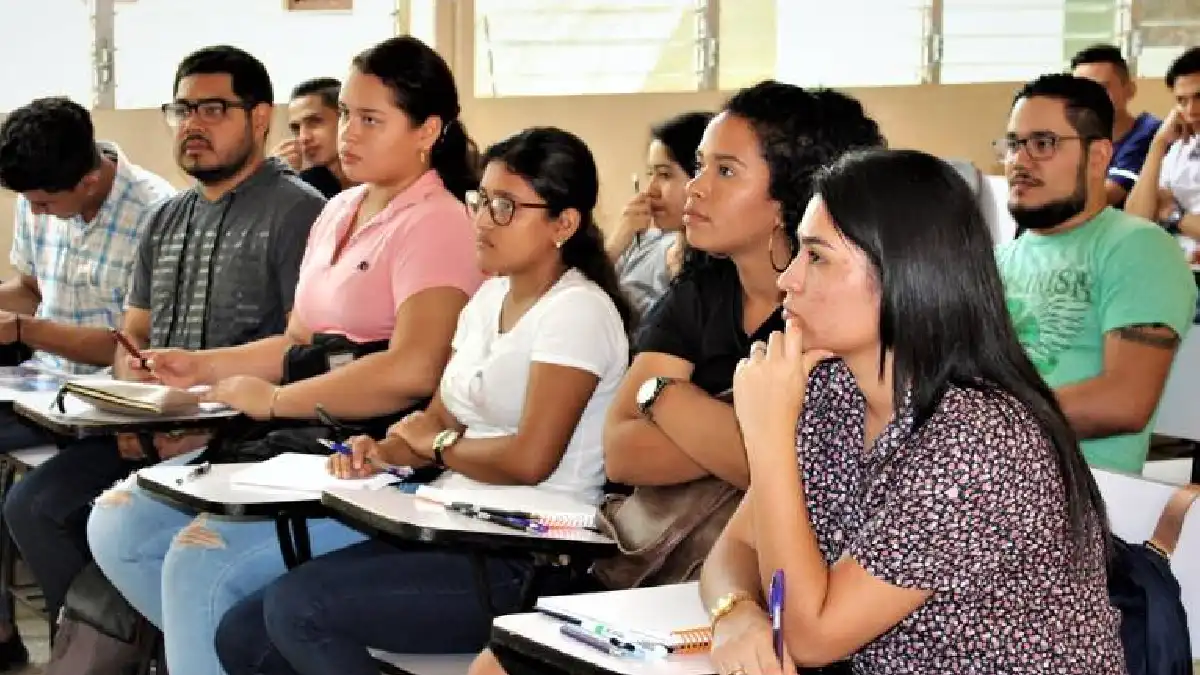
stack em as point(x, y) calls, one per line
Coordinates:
point(301, 472)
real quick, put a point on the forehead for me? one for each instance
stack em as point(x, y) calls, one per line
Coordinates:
point(207, 85)
point(1104, 73)
point(498, 179)
point(728, 133)
point(366, 91)
point(658, 154)
point(1039, 113)
point(818, 223)
point(311, 105)
point(1187, 86)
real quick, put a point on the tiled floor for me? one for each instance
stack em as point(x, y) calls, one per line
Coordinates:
point(36, 634)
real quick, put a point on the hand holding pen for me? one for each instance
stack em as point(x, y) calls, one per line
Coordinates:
point(360, 457)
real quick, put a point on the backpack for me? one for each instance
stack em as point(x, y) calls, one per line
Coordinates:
point(1154, 625)
point(99, 633)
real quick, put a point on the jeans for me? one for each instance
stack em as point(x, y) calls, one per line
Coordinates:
point(16, 434)
point(321, 617)
point(46, 512)
point(182, 571)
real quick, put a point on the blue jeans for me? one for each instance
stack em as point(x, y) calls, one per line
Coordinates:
point(16, 435)
point(183, 571)
point(321, 617)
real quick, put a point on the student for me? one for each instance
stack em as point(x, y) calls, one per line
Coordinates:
point(1169, 189)
point(1101, 299)
point(538, 355)
point(81, 206)
point(216, 267)
point(646, 245)
point(313, 148)
point(911, 475)
point(402, 247)
point(1104, 65)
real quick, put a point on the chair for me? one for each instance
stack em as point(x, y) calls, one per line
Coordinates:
point(993, 201)
point(1134, 505)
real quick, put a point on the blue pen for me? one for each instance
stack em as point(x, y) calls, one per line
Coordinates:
point(775, 607)
point(401, 472)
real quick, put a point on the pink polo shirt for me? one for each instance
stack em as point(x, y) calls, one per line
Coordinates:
point(422, 239)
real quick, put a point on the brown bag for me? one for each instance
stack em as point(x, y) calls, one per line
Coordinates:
point(663, 533)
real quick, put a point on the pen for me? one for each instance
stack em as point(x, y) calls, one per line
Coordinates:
point(129, 347)
point(531, 518)
point(196, 472)
point(594, 641)
point(401, 472)
point(613, 636)
point(775, 606)
point(511, 523)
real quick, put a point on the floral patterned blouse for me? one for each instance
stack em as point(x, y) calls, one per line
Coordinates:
point(970, 507)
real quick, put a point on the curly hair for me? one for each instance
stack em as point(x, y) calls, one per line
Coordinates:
point(799, 132)
point(49, 144)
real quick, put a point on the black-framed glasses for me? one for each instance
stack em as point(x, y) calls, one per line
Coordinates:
point(1041, 145)
point(208, 110)
point(501, 209)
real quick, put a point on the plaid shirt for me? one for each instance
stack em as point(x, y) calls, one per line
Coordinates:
point(83, 269)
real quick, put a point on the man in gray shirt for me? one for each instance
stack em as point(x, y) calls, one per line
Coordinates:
point(217, 266)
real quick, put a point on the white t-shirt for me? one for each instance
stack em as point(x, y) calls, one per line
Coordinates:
point(574, 324)
point(1181, 174)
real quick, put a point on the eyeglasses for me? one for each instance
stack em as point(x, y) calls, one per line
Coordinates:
point(501, 209)
point(209, 110)
point(1040, 145)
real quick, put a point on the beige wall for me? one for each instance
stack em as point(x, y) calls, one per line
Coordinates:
point(947, 120)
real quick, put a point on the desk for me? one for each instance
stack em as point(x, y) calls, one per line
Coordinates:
point(213, 493)
point(537, 640)
point(82, 420)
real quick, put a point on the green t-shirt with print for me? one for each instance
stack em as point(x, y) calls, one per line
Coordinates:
point(1065, 291)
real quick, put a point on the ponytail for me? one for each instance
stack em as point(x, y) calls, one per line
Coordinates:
point(455, 157)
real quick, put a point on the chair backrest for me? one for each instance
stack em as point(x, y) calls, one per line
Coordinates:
point(993, 200)
point(1134, 505)
point(1177, 410)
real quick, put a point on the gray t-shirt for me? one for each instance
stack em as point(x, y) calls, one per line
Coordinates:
point(221, 273)
point(642, 269)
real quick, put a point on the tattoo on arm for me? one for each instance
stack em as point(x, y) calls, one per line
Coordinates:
point(1157, 335)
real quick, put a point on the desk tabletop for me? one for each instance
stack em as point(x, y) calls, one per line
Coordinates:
point(394, 512)
point(214, 493)
point(82, 420)
point(537, 636)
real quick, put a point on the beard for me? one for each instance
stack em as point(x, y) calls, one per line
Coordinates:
point(222, 172)
point(1056, 212)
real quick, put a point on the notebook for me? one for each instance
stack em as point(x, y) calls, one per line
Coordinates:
point(134, 398)
point(670, 615)
point(554, 510)
point(302, 473)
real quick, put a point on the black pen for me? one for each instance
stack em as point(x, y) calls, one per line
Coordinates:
point(196, 472)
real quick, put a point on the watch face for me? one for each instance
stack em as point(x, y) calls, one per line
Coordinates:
point(646, 391)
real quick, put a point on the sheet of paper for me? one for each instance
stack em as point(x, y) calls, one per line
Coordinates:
point(307, 473)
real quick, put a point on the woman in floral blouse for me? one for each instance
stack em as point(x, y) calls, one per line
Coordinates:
point(944, 520)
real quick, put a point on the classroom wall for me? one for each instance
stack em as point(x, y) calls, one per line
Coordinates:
point(948, 120)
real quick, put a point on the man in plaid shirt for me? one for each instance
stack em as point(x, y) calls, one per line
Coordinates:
point(79, 217)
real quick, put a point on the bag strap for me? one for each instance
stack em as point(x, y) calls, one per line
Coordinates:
point(1170, 523)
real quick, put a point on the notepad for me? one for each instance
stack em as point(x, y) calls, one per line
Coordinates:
point(670, 615)
point(551, 509)
point(302, 473)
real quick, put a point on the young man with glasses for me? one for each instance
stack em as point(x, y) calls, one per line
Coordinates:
point(1100, 299)
point(216, 267)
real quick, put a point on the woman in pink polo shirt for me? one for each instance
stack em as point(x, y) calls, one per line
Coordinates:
point(389, 266)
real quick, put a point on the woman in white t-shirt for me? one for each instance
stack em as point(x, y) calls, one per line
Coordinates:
point(538, 354)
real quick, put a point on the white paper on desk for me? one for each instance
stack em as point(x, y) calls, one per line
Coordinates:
point(553, 508)
point(663, 613)
point(300, 472)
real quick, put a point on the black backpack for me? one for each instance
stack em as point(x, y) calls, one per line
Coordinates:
point(1154, 626)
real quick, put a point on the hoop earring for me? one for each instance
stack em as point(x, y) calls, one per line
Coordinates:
point(771, 251)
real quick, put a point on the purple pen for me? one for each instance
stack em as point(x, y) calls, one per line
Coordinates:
point(775, 607)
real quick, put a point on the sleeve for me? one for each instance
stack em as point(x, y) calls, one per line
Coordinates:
point(671, 326)
point(437, 250)
point(290, 242)
point(954, 507)
point(581, 329)
point(1145, 279)
point(22, 253)
point(143, 266)
point(1127, 164)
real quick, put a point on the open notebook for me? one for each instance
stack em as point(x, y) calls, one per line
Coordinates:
point(552, 509)
point(134, 398)
point(302, 473)
point(670, 615)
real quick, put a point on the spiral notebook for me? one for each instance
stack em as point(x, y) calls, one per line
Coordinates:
point(672, 615)
point(554, 510)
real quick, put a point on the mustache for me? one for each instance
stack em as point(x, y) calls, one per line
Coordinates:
point(1021, 176)
point(194, 138)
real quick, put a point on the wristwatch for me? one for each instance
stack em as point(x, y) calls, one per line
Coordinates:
point(442, 443)
point(1172, 221)
point(649, 392)
point(726, 604)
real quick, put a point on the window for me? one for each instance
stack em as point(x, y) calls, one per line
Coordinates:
point(1166, 29)
point(47, 49)
point(152, 37)
point(1016, 40)
point(562, 47)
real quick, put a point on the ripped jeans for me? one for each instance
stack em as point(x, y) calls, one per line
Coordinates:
point(183, 571)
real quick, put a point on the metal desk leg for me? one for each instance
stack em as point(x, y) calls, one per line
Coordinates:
point(301, 540)
point(286, 548)
point(294, 543)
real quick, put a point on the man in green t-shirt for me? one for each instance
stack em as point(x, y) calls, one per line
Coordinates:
point(1100, 299)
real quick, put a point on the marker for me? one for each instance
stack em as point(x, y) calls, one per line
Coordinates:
point(401, 472)
point(196, 472)
point(129, 347)
point(775, 607)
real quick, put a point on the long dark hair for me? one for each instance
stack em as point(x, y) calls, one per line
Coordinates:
point(681, 135)
point(560, 168)
point(942, 311)
point(424, 86)
point(799, 131)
